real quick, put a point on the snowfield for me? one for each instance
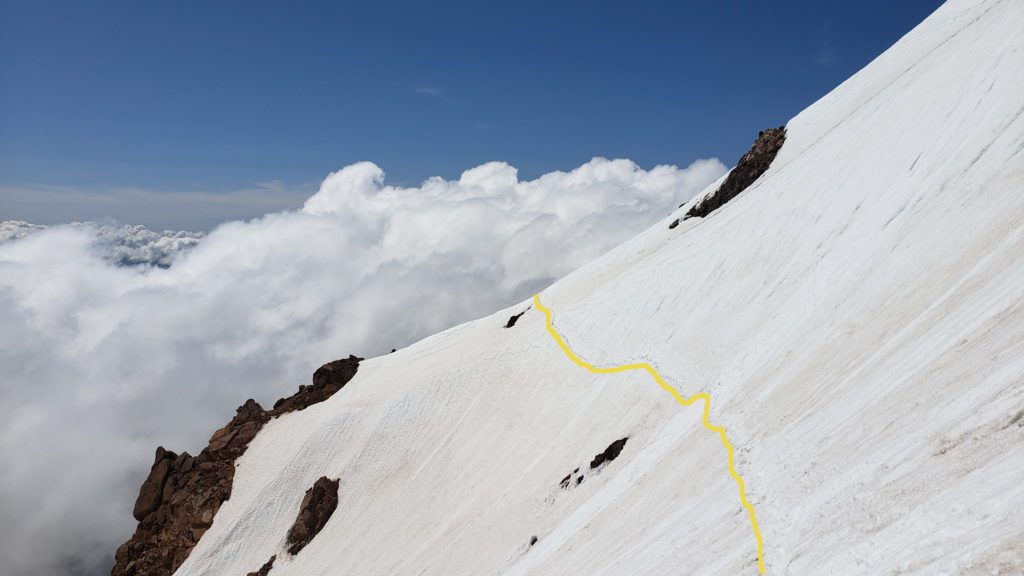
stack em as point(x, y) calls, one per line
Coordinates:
point(857, 317)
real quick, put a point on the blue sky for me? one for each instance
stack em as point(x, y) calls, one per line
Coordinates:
point(216, 96)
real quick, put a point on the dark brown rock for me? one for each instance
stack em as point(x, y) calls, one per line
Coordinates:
point(750, 167)
point(610, 453)
point(514, 318)
point(180, 498)
point(317, 507)
point(327, 380)
point(265, 569)
point(221, 437)
point(334, 375)
point(152, 490)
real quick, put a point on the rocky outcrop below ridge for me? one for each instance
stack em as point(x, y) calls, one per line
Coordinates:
point(265, 569)
point(610, 453)
point(515, 318)
point(327, 380)
point(181, 495)
point(750, 167)
point(316, 509)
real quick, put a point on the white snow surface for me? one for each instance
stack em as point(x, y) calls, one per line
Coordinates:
point(857, 316)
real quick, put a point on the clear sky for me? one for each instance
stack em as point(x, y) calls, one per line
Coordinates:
point(216, 96)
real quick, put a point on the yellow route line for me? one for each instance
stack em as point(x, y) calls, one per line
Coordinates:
point(679, 398)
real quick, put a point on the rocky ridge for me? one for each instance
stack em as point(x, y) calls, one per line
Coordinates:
point(181, 495)
point(750, 167)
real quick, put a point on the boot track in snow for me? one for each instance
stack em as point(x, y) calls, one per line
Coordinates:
point(644, 366)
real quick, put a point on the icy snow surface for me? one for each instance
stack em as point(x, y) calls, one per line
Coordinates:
point(857, 317)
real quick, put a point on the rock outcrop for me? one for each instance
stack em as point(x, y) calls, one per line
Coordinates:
point(750, 167)
point(610, 453)
point(181, 495)
point(327, 380)
point(265, 569)
point(152, 489)
point(514, 318)
point(316, 509)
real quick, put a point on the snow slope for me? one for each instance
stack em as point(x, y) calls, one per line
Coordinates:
point(857, 317)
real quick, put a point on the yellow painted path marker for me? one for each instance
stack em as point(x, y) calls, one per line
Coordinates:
point(679, 398)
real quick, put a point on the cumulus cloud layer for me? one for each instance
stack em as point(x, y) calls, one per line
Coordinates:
point(100, 363)
point(125, 246)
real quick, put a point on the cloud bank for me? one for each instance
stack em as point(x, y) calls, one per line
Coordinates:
point(125, 246)
point(100, 362)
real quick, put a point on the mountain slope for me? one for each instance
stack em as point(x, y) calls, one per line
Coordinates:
point(856, 317)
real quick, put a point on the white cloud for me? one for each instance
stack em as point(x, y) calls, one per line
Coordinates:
point(125, 246)
point(100, 363)
point(14, 229)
